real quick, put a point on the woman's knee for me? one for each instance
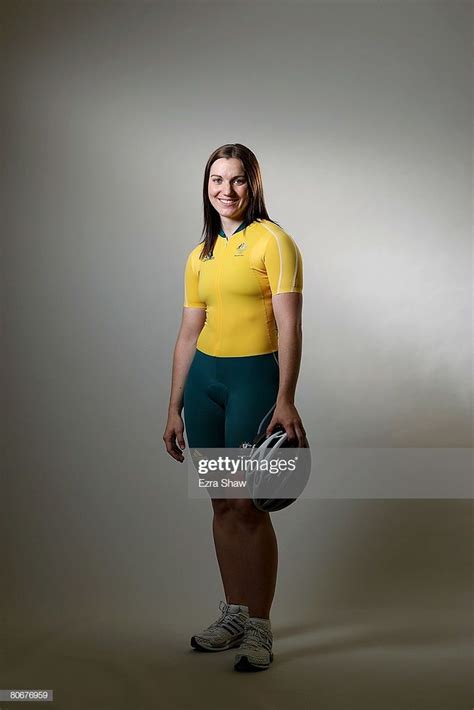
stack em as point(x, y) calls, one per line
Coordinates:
point(238, 511)
point(244, 512)
point(220, 506)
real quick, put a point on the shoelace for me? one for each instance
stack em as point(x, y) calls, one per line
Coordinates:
point(256, 636)
point(225, 616)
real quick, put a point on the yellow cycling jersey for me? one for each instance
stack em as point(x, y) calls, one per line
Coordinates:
point(236, 284)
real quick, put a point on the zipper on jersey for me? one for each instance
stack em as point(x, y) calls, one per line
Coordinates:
point(219, 295)
point(219, 299)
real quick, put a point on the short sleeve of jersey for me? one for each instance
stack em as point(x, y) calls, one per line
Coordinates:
point(283, 263)
point(191, 282)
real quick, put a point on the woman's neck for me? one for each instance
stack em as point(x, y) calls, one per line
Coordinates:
point(230, 225)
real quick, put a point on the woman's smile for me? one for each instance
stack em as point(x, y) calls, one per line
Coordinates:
point(228, 190)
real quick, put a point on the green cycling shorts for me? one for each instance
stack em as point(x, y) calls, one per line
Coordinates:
point(229, 400)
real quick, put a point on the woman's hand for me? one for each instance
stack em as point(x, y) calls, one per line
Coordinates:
point(287, 416)
point(174, 433)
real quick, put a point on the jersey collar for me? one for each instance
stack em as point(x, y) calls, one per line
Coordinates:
point(239, 228)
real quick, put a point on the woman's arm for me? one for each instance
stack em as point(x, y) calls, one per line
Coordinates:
point(191, 325)
point(287, 308)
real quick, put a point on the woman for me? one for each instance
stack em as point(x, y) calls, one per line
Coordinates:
point(235, 369)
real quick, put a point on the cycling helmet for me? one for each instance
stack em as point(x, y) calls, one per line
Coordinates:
point(284, 486)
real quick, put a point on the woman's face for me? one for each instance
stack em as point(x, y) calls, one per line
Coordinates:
point(228, 189)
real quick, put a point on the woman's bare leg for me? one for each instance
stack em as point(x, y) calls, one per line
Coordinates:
point(247, 554)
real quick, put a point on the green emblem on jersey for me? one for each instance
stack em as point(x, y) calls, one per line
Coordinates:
point(240, 249)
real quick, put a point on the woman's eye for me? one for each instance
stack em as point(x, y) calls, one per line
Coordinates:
point(240, 181)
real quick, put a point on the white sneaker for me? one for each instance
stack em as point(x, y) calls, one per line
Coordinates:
point(226, 632)
point(255, 652)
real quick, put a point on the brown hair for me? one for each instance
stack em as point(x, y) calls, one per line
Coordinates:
point(256, 204)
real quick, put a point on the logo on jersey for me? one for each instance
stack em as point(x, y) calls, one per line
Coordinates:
point(240, 249)
point(208, 257)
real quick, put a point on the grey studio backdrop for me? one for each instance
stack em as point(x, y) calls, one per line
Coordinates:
point(360, 115)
